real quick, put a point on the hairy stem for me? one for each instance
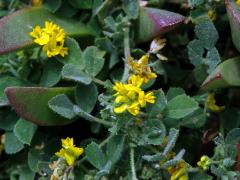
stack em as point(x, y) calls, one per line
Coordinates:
point(132, 163)
point(89, 117)
point(98, 81)
point(126, 54)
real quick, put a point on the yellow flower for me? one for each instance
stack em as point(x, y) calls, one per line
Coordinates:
point(212, 14)
point(134, 108)
point(179, 172)
point(120, 109)
point(36, 2)
point(141, 68)
point(135, 80)
point(130, 97)
point(2, 142)
point(41, 38)
point(144, 98)
point(211, 103)
point(69, 152)
point(238, 2)
point(204, 162)
point(51, 37)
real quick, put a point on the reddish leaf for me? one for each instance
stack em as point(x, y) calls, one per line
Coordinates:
point(31, 103)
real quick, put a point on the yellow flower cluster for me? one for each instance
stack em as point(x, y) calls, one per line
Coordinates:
point(141, 68)
point(69, 152)
point(51, 37)
point(179, 172)
point(204, 162)
point(238, 2)
point(211, 103)
point(131, 97)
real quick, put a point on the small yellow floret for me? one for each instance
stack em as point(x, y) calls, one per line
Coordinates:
point(179, 172)
point(211, 103)
point(141, 68)
point(212, 15)
point(238, 2)
point(204, 162)
point(52, 38)
point(69, 152)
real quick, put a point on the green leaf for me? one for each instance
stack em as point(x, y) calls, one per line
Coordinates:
point(223, 77)
point(195, 120)
point(198, 15)
point(52, 5)
point(26, 174)
point(24, 131)
point(86, 4)
point(8, 119)
point(75, 73)
point(74, 54)
point(12, 144)
point(43, 166)
point(229, 113)
point(104, 171)
point(181, 106)
point(153, 22)
point(95, 156)
point(199, 176)
point(31, 103)
point(66, 10)
point(51, 73)
point(15, 28)
point(233, 137)
point(159, 105)
point(34, 156)
point(7, 81)
point(114, 148)
point(86, 96)
point(173, 92)
point(234, 20)
point(194, 3)
point(195, 52)
point(153, 132)
point(62, 105)
point(131, 8)
point(212, 59)
point(94, 60)
point(207, 33)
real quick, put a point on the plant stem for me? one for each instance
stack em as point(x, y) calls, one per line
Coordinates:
point(89, 117)
point(98, 81)
point(39, 54)
point(134, 176)
point(126, 54)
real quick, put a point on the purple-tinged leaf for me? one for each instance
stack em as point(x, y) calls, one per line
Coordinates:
point(233, 11)
point(153, 22)
point(226, 74)
point(31, 103)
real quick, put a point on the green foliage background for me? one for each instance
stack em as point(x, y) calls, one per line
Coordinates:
point(77, 94)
